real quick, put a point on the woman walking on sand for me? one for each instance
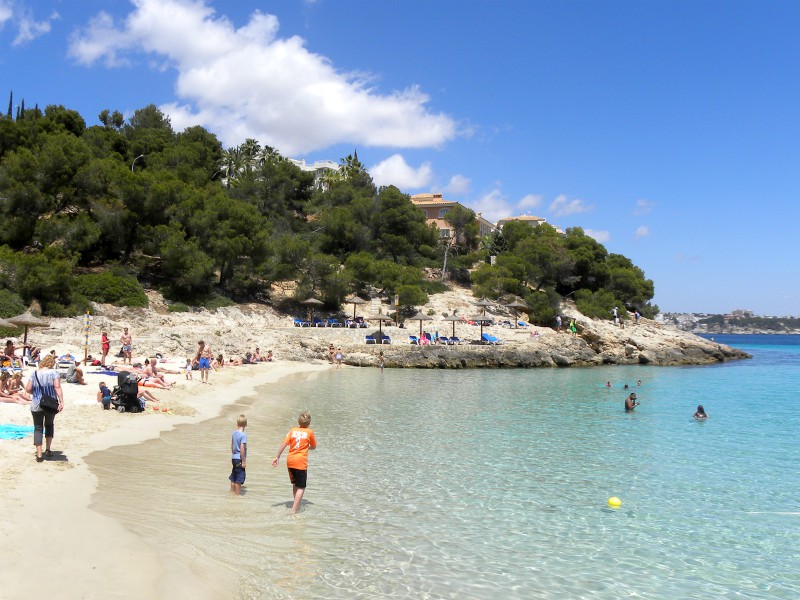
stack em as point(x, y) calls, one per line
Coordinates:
point(44, 381)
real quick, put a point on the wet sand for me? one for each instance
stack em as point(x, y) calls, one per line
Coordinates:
point(56, 545)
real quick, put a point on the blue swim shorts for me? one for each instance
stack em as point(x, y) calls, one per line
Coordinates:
point(204, 363)
point(237, 471)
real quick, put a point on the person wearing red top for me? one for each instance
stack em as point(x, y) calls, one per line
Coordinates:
point(299, 440)
point(105, 346)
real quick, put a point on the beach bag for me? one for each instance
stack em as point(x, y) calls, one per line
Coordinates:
point(48, 403)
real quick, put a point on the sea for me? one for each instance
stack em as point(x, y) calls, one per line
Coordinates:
point(491, 483)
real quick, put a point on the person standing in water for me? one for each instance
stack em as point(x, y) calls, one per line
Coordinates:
point(630, 402)
point(701, 413)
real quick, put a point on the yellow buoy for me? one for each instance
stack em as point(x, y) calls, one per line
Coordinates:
point(614, 502)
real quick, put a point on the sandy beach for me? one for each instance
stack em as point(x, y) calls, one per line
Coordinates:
point(56, 545)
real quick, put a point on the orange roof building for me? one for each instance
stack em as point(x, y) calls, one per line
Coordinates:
point(435, 208)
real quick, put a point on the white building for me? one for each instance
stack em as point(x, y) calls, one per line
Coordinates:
point(319, 168)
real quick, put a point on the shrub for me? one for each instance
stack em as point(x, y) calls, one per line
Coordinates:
point(115, 287)
point(599, 304)
point(178, 307)
point(215, 301)
point(434, 286)
point(11, 304)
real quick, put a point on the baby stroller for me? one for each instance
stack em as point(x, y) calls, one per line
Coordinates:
point(125, 395)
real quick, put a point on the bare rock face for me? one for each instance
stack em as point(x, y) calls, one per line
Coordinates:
point(233, 331)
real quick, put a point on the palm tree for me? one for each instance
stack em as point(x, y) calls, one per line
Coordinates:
point(232, 163)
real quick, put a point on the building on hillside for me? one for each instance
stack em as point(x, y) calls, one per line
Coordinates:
point(435, 208)
point(529, 219)
point(318, 168)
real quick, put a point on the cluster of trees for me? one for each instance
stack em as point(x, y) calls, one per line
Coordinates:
point(93, 212)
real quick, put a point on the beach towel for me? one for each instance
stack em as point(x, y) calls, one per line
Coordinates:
point(15, 432)
point(114, 373)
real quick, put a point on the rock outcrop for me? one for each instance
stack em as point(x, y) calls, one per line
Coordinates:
point(233, 331)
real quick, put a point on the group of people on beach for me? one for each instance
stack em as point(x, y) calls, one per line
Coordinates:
point(299, 440)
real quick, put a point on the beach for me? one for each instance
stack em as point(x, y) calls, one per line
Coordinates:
point(56, 545)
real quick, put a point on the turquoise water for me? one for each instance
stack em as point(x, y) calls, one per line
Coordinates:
point(470, 484)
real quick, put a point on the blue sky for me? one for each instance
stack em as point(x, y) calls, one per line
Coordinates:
point(670, 131)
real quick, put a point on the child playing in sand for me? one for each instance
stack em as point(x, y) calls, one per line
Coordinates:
point(300, 440)
point(188, 368)
point(238, 456)
point(104, 396)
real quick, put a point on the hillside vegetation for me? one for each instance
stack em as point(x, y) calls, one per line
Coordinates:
point(96, 213)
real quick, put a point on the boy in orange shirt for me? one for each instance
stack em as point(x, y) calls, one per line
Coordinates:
point(300, 440)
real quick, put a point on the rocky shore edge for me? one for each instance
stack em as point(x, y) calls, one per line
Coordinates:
point(235, 330)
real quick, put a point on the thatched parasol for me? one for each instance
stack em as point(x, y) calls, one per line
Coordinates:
point(483, 303)
point(420, 316)
point(454, 318)
point(311, 303)
point(355, 300)
point(481, 320)
point(26, 320)
point(516, 306)
point(380, 318)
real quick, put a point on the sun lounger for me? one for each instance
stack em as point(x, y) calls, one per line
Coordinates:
point(413, 340)
point(455, 341)
point(386, 339)
point(301, 323)
point(443, 340)
point(369, 339)
point(318, 323)
point(490, 339)
point(334, 323)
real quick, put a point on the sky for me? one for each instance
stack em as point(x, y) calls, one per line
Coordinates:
point(668, 131)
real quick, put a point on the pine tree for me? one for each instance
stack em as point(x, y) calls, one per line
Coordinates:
point(10, 102)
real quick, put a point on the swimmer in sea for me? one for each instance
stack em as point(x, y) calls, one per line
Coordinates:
point(608, 384)
point(631, 403)
point(701, 413)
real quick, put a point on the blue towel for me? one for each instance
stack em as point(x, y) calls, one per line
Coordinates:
point(102, 373)
point(15, 432)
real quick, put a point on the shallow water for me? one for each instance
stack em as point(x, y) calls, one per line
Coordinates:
point(466, 484)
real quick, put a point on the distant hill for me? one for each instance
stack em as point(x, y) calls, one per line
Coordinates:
point(711, 323)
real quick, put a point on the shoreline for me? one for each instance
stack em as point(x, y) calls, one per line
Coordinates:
point(48, 516)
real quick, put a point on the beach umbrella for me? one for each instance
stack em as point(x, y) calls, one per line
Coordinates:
point(4, 323)
point(481, 320)
point(311, 303)
point(454, 318)
point(380, 318)
point(516, 306)
point(355, 300)
point(420, 316)
point(483, 303)
point(26, 320)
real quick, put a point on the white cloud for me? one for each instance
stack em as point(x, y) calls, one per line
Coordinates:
point(530, 201)
point(492, 205)
point(29, 29)
point(5, 12)
point(396, 171)
point(601, 236)
point(643, 207)
point(249, 82)
point(642, 231)
point(458, 185)
point(563, 206)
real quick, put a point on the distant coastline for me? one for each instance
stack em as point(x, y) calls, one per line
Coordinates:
point(703, 323)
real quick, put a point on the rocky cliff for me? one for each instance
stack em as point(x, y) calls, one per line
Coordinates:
point(233, 331)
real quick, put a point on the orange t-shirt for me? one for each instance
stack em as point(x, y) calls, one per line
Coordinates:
point(299, 440)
